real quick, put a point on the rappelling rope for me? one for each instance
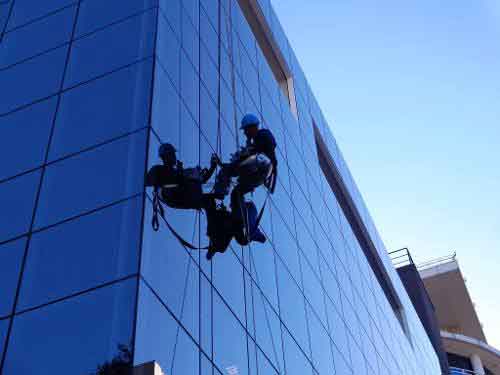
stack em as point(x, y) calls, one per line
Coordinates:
point(159, 211)
point(275, 351)
point(229, 31)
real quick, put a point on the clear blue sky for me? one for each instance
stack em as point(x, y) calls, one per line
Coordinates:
point(412, 92)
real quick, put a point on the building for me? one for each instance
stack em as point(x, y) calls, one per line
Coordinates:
point(462, 334)
point(89, 89)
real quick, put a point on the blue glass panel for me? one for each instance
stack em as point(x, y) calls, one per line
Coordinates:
point(37, 37)
point(4, 14)
point(95, 14)
point(25, 152)
point(295, 361)
point(228, 279)
point(230, 349)
point(31, 80)
point(11, 255)
point(160, 338)
point(168, 49)
point(166, 109)
point(102, 109)
point(17, 198)
point(4, 325)
point(267, 329)
point(66, 259)
point(80, 333)
point(292, 307)
point(92, 179)
point(92, 56)
point(27, 10)
point(320, 345)
point(190, 37)
point(190, 86)
point(171, 9)
point(169, 269)
point(191, 9)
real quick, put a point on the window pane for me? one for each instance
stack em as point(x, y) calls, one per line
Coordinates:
point(97, 13)
point(92, 179)
point(27, 10)
point(24, 136)
point(37, 37)
point(17, 198)
point(82, 254)
point(229, 339)
point(4, 325)
point(79, 333)
point(102, 109)
point(131, 40)
point(161, 339)
point(169, 269)
point(31, 80)
point(295, 361)
point(11, 256)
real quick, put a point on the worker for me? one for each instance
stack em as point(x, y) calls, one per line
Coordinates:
point(253, 165)
point(180, 187)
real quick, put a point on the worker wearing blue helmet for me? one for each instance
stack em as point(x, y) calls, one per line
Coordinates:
point(254, 165)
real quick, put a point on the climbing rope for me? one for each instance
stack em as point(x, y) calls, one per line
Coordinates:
point(264, 304)
point(229, 32)
point(159, 211)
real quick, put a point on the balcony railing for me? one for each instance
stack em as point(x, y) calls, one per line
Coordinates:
point(461, 371)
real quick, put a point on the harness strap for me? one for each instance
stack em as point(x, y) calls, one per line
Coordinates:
point(158, 210)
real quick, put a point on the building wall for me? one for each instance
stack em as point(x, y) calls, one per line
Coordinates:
point(89, 90)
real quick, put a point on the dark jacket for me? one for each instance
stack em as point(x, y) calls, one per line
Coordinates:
point(264, 143)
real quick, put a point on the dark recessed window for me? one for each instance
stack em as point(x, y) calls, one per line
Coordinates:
point(358, 227)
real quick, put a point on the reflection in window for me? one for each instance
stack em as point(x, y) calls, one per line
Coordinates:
point(81, 333)
point(94, 14)
point(295, 361)
point(82, 254)
point(37, 37)
point(229, 339)
point(169, 269)
point(4, 325)
point(25, 152)
point(102, 109)
point(27, 10)
point(161, 339)
point(92, 56)
point(11, 255)
point(46, 70)
point(92, 179)
point(17, 198)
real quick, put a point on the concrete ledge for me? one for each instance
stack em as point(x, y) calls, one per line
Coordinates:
point(150, 368)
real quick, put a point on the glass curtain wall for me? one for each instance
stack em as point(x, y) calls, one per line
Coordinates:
point(89, 89)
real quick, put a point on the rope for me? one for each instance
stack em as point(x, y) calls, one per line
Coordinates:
point(158, 210)
point(229, 29)
point(183, 302)
point(268, 322)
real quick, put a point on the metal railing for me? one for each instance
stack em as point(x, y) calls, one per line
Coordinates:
point(461, 371)
point(401, 257)
point(438, 261)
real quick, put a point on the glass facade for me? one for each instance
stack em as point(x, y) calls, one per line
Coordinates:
point(88, 90)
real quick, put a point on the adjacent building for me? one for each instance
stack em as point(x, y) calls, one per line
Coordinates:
point(462, 335)
point(88, 90)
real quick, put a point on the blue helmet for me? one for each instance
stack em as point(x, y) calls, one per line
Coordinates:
point(166, 149)
point(249, 120)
